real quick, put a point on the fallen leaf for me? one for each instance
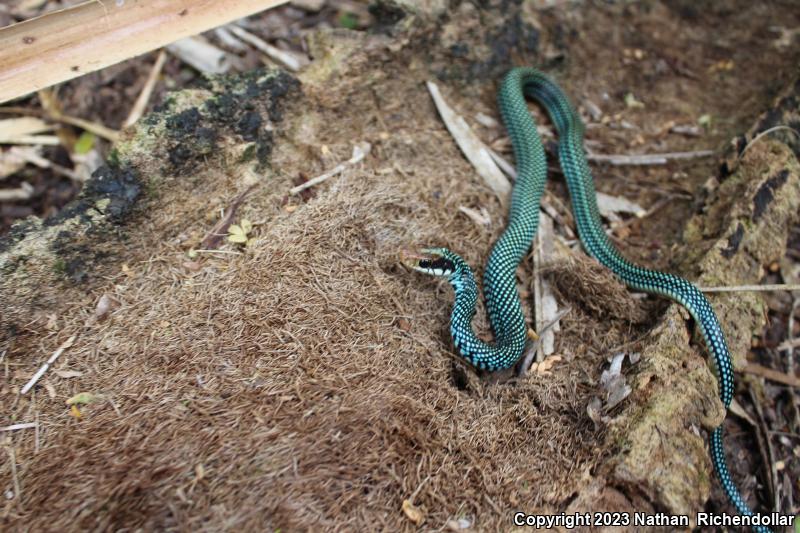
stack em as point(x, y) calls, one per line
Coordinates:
point(595, 411)
point(81, 398)
point(74, 411)
point(412, 512)
point(104, 306)
point(193, 266)
point(608, 204)
point(84, 143)
point(404, 324)
point(237, 234)
point(632, 103)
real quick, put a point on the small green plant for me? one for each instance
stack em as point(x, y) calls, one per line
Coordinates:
point(348, 20)
point(238, 233)
point(84, 143)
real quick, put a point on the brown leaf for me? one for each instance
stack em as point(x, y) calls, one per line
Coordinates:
point(412, 512)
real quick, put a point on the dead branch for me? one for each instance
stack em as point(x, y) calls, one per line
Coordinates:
point(71, 42)
point(646, 159)
point(772, 375)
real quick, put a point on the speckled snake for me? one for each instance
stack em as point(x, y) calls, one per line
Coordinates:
point(499, 279)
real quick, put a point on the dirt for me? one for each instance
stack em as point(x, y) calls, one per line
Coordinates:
point(307, 380)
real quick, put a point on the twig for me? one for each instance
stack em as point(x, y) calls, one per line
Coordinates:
point(481, 218)
point(360, 151)
point(493, 505)
point(147, 91)
point(754, 288)
point(507, 168)
point(15, 427)
point(287, 59)
point(34, 158)
point(766, 132)
point(652, 210)
point(13, 463)
point(201, 54)
point(66, 344)
point(765, 445)
point(739, 411)
point(229, 252)
point(772, 375)
point(23, 192)
point(36, 434)
point(623, 159)
point(647, 159)
point(97, 129)
point(531, 350)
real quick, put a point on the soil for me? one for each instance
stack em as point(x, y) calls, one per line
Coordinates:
point(306, 380)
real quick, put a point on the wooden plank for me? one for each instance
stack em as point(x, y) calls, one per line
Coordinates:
point(64, 44)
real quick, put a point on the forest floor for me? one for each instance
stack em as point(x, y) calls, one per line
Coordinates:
point(305, 379)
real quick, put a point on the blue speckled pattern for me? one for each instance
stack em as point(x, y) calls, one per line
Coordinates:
point(499, 279)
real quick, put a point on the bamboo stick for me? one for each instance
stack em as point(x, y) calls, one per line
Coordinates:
point(64, 44)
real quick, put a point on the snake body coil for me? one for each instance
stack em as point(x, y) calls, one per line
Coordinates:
point(499, 279)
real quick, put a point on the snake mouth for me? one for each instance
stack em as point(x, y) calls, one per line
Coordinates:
point(428, 260)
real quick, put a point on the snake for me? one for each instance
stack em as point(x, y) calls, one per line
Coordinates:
point(503, 304)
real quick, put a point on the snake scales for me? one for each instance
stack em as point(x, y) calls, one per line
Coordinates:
point(499, 279)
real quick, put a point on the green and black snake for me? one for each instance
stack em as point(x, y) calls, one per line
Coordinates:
point(499, 278)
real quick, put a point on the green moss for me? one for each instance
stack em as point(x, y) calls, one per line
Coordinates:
point(249, 153)
point(348, 20)
point(60, 267)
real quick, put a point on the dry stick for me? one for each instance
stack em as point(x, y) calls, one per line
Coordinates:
point(15, 427)
point(93, 127)
point(754, 288)
point(147, 91)
point(201, 55)
point(772, 375)
point(66, 344)
point(36, 434)
point(765, 446)
point(23, 192)
point(646, 159)
point(42, 162)
point(288, 60)
point(57, 47)
point(360, 151)
point(533, 348)
point(13, 457)
point(627, 159)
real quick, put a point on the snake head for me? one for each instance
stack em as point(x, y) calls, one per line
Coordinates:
point(434, 261)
